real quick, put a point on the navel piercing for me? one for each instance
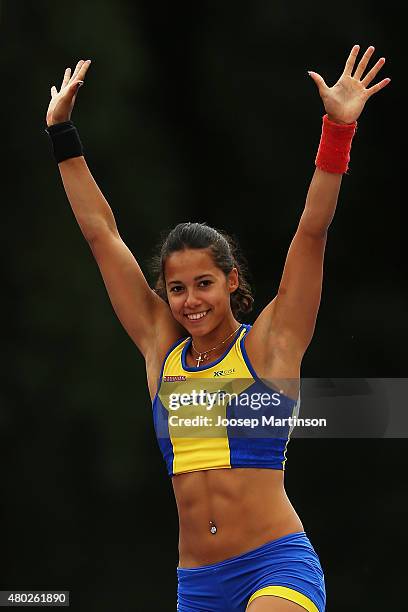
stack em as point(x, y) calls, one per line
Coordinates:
point(213, 527)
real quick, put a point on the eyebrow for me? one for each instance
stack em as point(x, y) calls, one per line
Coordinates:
point(195, 278)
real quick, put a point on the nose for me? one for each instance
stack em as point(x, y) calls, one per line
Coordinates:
point(192, 301)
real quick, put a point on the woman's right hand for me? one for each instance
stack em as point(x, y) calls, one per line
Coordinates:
point(62, 101)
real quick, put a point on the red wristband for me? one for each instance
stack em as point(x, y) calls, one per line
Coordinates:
point(335, 144)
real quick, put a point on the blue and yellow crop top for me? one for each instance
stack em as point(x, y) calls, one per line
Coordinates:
point(220, 415)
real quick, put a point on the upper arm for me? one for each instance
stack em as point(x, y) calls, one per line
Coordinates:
point(289, 320)
point(300, 289)
point(143, 314)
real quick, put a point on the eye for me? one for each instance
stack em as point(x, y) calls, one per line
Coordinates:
point(205, 283)
point(176, 289)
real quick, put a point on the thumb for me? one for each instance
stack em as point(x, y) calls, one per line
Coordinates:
point(321, 85)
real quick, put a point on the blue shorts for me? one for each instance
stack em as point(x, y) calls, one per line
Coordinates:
point(287, 567)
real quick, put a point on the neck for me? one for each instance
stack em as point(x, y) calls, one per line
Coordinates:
point(216, 336)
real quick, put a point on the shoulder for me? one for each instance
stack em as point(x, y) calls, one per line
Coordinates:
point(270, 349)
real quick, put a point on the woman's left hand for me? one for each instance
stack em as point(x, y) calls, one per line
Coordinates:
point(346, 99)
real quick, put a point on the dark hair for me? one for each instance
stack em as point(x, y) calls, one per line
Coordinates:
point(224, 250)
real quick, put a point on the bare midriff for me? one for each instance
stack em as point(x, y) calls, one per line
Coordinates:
point(249, 507)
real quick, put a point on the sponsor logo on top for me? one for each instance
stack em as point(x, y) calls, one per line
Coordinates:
point(224, 372)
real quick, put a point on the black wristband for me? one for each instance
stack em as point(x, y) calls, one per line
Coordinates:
point(65, 141)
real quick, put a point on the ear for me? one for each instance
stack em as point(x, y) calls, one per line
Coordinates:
point(233, 280)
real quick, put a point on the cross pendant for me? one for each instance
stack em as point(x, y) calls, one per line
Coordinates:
point(201, 358)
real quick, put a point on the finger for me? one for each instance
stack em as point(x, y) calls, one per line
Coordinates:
point(363, 63)
point(372, 90)
point(373, 72)
point(53, 91)
point(321, 85)
point(77, 69)
point(83, 70)
point(67, 76)
point(351, 60)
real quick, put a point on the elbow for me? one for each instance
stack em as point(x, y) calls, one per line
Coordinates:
point(96, 230)
point(314, 223)
point(316, 230)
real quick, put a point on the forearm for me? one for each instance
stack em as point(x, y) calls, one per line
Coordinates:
point(332, 160)
point(89, 206)
point(321, 202)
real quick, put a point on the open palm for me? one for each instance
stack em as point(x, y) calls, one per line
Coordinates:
point(345, 101)
point(62, 101)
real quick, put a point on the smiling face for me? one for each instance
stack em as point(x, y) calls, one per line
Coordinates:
point(198, 291)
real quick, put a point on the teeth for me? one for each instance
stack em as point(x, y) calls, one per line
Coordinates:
point(198, 315)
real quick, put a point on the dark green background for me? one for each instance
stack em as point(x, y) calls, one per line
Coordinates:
point(190, 111)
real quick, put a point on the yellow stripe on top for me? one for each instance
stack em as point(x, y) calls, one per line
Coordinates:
point(201, 447)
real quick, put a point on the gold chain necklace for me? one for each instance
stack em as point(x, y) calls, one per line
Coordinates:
point(204, 355)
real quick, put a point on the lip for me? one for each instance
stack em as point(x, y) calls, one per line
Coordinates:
point(195, 321)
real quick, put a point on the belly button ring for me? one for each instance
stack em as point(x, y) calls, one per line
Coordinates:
point(213, 528)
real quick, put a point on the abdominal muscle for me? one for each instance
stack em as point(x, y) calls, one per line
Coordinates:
point(249, 507)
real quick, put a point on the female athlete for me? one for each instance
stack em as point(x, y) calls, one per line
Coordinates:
point(241, 544)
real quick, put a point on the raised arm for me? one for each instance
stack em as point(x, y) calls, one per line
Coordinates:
point(289, 320)
point(146, 317)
